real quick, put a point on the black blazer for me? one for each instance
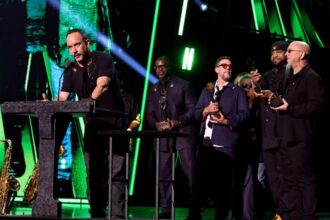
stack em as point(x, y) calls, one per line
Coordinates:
point(181, 100)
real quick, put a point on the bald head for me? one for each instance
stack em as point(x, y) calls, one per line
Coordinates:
point(301, 45)
point(297, 54)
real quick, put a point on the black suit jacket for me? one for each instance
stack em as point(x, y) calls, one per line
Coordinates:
point(181, 100)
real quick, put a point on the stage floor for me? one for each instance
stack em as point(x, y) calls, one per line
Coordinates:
point(74, 210)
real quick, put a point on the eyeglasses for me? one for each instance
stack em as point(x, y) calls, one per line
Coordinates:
point(290, 50)
point(247, 86)
point(160, 66)
point(225, 66)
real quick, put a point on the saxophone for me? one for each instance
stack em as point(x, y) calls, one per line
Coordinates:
point(31, 188)
point(8, 183)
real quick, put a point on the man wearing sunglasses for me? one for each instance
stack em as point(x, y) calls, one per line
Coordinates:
point(170, 106)
point(298, 117)
point(220, 111)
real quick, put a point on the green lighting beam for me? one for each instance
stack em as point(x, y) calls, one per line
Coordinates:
point(183, 17)
point(144, 97)
point(280, 19)
point(254, 15)
point(188, 58)
point(191, 58)
point(185, 58)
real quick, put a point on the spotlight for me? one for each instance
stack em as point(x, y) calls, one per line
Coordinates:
point(203, 7)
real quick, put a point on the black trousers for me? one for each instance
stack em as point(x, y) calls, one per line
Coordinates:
point(187, 160)
point(97, 165)
point(213, 182)
point(296, 193)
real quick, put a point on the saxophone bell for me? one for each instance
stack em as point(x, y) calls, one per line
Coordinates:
point(9, 185)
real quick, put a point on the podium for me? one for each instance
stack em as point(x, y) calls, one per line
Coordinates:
point(141, 134)
point(47, 112)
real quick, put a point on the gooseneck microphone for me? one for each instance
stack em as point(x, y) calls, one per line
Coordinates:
point(68, 64)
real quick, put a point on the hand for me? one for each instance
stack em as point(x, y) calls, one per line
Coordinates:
point(212, 107)
point(219, 120)
point(282, 107)
point(44, 98)
point(263, 94)
point(251, 93)
point(174, 124)
point(163, 125)
point(266, 93)
point(255, 75)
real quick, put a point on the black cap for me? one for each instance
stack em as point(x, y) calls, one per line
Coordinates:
point(280, 45)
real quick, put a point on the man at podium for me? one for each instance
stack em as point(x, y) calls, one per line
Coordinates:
point(91, 76)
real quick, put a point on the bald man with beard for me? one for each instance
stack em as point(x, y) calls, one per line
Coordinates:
point(303, 101)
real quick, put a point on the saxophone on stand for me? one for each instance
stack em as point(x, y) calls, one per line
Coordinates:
point(31, 188)
point(9, 185)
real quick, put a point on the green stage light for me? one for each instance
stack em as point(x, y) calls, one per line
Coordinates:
point(183, 17)
point(281, 23)
point(188, 58)
point(144, 96)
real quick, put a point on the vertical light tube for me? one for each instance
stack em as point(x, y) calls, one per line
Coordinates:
point(144, 96)
point(185, 58)
point(183, 17)
point(191, 58)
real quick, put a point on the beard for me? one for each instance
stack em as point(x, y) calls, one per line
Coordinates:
point(278, 62)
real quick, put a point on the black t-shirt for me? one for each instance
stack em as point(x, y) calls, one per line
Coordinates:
point(82, 81)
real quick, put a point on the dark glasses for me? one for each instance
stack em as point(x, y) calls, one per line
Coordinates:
point(225, 66)
point(291, 50)
point(160, 66)
point(247, 86)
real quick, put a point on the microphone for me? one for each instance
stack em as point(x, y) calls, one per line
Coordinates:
point(68, 64)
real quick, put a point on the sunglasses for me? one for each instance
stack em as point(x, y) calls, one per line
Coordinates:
point(160, 66)
point(247, 86)
point(291, 50)
point(226, 66)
